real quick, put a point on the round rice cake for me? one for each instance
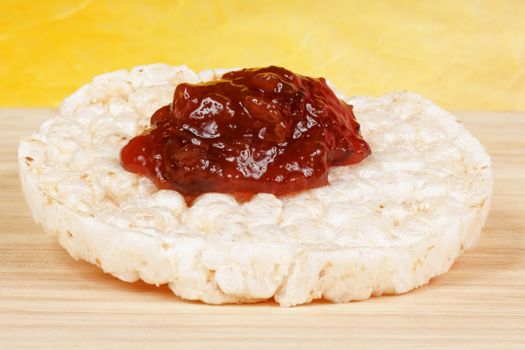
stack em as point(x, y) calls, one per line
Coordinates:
point(384, 226)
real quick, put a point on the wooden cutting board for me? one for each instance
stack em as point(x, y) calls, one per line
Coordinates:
point(48, 300)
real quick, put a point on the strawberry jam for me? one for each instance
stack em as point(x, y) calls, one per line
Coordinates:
point(254, 130)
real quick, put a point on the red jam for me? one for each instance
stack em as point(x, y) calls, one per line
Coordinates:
point(254, 130)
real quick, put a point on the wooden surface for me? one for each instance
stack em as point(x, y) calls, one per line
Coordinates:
point(48, 300)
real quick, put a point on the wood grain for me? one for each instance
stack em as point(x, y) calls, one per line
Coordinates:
point(48, 300)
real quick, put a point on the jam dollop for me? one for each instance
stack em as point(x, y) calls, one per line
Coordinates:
point(254, 130)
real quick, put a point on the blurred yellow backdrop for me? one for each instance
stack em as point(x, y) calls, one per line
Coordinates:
point(462, 54)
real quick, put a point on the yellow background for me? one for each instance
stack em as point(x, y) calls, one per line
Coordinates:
point(462, 54)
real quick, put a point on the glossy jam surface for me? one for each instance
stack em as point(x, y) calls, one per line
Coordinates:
point(254, 130)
